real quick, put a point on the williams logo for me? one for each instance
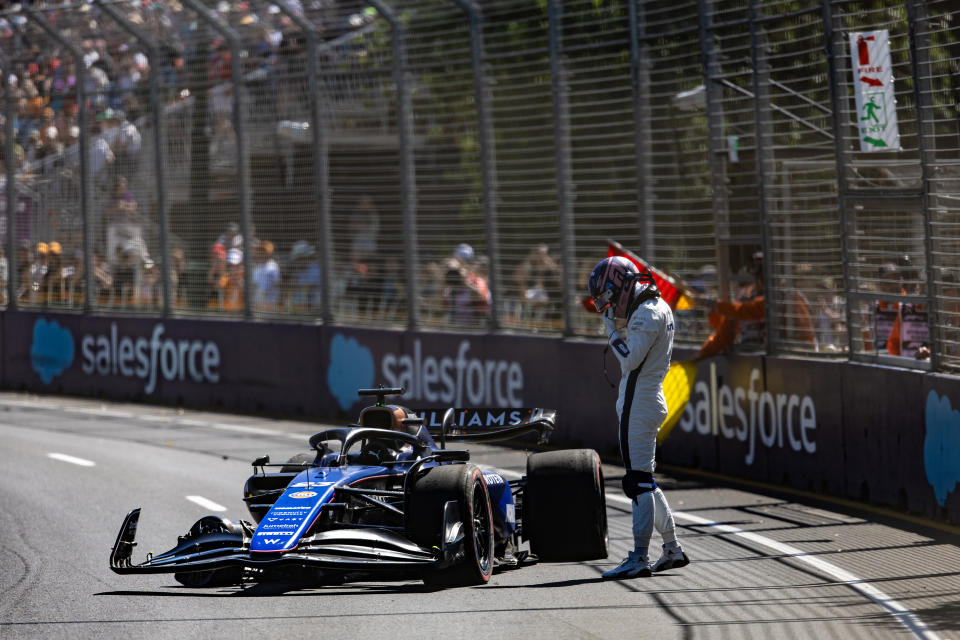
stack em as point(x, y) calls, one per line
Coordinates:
point(52, 349)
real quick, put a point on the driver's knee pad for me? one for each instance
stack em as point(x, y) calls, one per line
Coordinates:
point(636, 483)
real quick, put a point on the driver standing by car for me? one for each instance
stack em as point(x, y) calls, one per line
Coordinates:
point(619, 291)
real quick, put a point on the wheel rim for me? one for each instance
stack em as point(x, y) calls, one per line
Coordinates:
point(481, 528)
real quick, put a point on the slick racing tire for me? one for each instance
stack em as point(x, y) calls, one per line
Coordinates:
point(564, 506)
point(463, 484)
point(216, 577)
point(262, 490)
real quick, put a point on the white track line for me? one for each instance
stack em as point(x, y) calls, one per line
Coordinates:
point(62, 457)
point(206, 504)
point(903, 615)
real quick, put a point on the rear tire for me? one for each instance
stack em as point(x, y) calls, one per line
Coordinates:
point(464, 484)
point(564, 506)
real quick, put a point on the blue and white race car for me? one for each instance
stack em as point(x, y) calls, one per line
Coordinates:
point(380, 499)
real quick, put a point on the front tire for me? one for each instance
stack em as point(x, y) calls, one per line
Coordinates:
point(564, 506)
point(464, 484)
point(225, 577)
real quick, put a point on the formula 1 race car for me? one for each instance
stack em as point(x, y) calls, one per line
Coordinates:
point(381, 499)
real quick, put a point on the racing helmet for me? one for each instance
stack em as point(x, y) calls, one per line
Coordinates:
point(611, 283)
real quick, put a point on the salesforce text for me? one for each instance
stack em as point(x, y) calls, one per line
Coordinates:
point(448, 380)
point(141, 358)
point(710, 410)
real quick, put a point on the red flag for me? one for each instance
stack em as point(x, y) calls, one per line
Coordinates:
point(670, 290)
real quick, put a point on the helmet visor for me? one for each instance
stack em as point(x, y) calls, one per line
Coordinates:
point(605, 299)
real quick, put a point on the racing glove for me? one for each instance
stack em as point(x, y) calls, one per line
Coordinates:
point(609, 323)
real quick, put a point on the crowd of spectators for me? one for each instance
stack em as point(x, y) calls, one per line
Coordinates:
point(115, 76)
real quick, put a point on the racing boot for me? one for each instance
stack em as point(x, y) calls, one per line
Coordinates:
point(673, 558)
point(635, 565)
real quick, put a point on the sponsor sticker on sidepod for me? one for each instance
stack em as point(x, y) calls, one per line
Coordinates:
point(303, 494)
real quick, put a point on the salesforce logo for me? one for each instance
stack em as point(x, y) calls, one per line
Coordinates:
point(941, 446)
point(458, 380)
point(150, 359)
point(351, 368)
point(453, 380)
point(52, 349)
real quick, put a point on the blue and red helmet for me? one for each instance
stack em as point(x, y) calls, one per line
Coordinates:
point(611, 283)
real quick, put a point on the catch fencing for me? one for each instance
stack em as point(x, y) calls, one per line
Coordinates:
point(462, 164)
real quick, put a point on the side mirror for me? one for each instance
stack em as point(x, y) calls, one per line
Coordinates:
point(259, 462)
point(449, 418)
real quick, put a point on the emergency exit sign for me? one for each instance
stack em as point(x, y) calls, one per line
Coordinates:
point(873, 85)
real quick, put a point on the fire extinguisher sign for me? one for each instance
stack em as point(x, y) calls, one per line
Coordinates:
point(873, 85)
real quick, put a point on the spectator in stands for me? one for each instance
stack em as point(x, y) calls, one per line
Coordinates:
point(102, 277)
point(266, 277)
point(37, 273)
point(49, 133)
point(34, 149)
point(231, 238)
point(53, 286)
point(798, 326)
point(124, 271)
point(73, 277)
point(829, 316)
point(743, 319)
point(531, 278)
point(217, 275)
point(18, 152)
point(149, 288)
point(465, 291)
point(233, 281)
point(178, 266)
point(306, 280)
point(122, 207)
point(101, 155)
point(24, 265)
point(125, 141)
point(364, 281)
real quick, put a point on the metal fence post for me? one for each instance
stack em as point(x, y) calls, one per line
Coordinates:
point(763, 137)
point(86, 186)
point(713, 97)
point(921, 89)
point(408, 189)
point(840, 156)
point(561, 111)
point(488, 170)
point(232, 38)
point(321, 165)
point(642, 132)
point(153, 55)
point(11, 183)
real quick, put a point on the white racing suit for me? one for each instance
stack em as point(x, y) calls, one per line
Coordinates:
point(644, 355)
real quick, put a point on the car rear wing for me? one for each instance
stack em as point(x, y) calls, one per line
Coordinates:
point(488, 425)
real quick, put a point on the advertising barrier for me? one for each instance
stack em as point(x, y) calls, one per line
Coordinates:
point(876, 434)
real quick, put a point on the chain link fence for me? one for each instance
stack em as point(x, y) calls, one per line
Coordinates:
point(462, 164)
